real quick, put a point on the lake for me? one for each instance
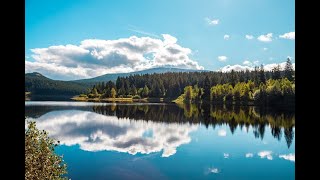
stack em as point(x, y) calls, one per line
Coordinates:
point(168, 141)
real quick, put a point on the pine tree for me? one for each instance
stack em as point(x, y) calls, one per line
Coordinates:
point(206, 89)
point(262, 75)
point(288, 70)
point(276, 72)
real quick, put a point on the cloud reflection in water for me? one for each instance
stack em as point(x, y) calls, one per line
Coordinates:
point(95, 132)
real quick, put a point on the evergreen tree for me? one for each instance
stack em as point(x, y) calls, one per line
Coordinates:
point(276, 72)
point(133, 90)
point(288, 70)
point(206, 89)
point(262, 75)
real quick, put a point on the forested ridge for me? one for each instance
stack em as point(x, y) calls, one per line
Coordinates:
point(40, 85)
point(239, 87)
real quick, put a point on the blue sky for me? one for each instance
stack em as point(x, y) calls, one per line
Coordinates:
point(82, 39)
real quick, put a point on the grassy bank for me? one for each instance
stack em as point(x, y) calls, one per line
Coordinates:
point(146, 100)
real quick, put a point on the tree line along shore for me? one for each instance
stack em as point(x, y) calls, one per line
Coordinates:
point(256, 87)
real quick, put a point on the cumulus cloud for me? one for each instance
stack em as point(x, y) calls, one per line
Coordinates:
point(94, 57)
point(222, 132)
point(256, 62)
point(212, 21)
point(249, 155)
point(250, 66)
point(226, 37)
point(265, 37)
point(289, 35)
point(269, 67)
point(222, 58)
point(247, 63)
point(290, 157)
point(249, 37)
point(236, 67)
point(225, 155)
point(95, 132)
point(213, 170)
point(265, 154)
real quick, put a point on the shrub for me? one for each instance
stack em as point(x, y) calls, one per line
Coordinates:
point(136, 97)
point(40, 160)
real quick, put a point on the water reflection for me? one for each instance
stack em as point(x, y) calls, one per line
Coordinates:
point(234, 117)
point(144, 128)
point(96, 132)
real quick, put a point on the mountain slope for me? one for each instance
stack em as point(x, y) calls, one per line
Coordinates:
point(113, 77)
point(45, 88)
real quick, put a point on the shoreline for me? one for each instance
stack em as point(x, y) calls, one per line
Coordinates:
point(143, 100)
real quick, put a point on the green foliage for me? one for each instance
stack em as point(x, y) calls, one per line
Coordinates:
point(145, 91)
point(276, 72)
point(206, 89)
point(288, 71)
point(136, 97)
point(41, 162)
point(236, 87)
point(42, 87)
point(113, 93)
point(273, 92)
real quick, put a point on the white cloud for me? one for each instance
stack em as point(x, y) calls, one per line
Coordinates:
point(269, 67)
point(265, 154)
point(213, 170)
point(222, 58)
point(249, 37)
point(94, 57)
point(250, 66)
point(290, 157)
point(256, 62)
point(226, 155)
point(265, 48)
point(236, 67)
point(222, 132)
point(247, 63)
point(226, 37)
point(289, 35)
point(96, 132)
point(212, 21)
point(265, 37)
point(249, 155)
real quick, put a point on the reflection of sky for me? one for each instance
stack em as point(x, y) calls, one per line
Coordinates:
point(97, 146)
point(95, 132)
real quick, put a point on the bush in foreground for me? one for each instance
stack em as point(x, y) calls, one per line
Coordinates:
point(41, 162)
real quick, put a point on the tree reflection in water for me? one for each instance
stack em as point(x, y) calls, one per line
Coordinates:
point(209, 115)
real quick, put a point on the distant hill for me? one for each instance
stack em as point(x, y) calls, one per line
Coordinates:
point(43, 88)
point(113, 77)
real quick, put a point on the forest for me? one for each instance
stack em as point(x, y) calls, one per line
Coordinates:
point(258, 87)
point(38, 85)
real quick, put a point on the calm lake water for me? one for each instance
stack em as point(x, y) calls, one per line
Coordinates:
point(166, 141)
